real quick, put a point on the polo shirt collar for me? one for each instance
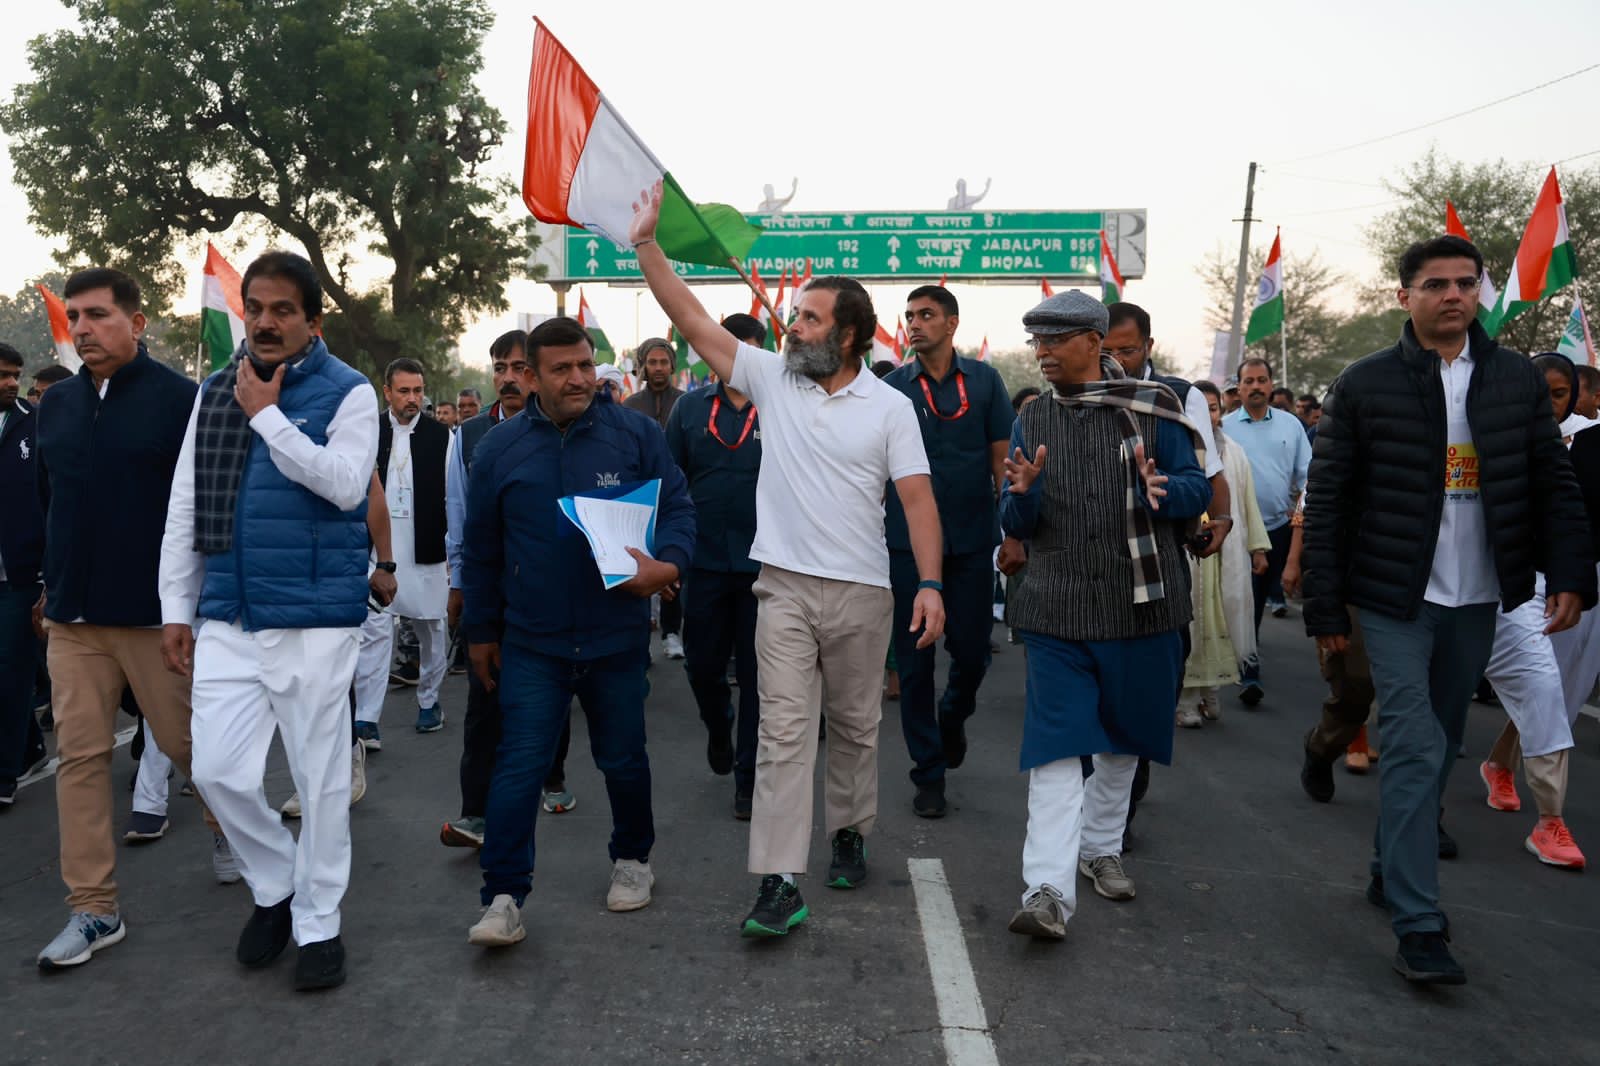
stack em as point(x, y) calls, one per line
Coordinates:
point(955, 364)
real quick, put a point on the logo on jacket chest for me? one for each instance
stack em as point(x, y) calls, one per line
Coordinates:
point(26, 451)
point(607, 481)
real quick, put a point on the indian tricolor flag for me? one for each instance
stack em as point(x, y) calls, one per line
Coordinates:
point(582, 166)
point(1488, 298)
point(1545, 261)
point(603, 352)
point(60, 332)
point(883, 348)
point(1110, 277)
point(1266, 318)
point(1044, 287)
point(983, 352)
point(221, 310)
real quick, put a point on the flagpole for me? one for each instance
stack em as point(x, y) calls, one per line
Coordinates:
point(766, 301)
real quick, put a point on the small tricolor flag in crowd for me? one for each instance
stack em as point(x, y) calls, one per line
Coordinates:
point(983, 352)
point(900, 343)
point(758, 307)
point(689, 365)
point(883, 349)
point(1044, 286)
point(603, 352)
point(221, 310)
point(60, 332)
point(582, 166)
point(1110, 277)
point(1488, 298)
point(1266, 318)
point(1577, 343)
point(1545, 262)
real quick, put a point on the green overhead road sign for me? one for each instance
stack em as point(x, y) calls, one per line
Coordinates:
point(1018, 246)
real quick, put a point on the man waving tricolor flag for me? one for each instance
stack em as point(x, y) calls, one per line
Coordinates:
point(583, 166)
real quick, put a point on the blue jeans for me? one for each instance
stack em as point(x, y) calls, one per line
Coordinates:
point(968, 581)
point(1424, 672)
point(536, 693)
point(21, 742)
point(719, 620)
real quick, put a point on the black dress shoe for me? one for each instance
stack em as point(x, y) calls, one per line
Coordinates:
point(929, 803)
point(1423, 958)
point(742, 804)
point(266, 934)
point(1316, 776)
point(321, 965)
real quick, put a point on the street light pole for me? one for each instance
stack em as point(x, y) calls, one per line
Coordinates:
point(1236, 334)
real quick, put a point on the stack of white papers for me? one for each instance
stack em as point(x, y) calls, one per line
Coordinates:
point(612, 526)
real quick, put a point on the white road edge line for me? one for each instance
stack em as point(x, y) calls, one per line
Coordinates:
point(955, 988)
point(49, 768)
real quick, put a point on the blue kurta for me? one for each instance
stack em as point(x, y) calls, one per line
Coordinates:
point(1088, 697)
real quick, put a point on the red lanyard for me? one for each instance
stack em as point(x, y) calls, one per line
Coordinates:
point(711, 424)
point(961, 388)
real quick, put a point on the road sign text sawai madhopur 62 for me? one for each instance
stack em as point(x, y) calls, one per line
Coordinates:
point(1018, 246)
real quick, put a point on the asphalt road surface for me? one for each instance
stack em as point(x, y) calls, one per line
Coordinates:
point(1250, 940)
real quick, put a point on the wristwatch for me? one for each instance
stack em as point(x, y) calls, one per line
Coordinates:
point(385, 565)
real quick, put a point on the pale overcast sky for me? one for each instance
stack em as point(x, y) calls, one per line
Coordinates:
point(883, 106)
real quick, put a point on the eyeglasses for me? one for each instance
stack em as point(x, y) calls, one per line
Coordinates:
point(1435, 286)
point(1123, 353)
point(1055, 340)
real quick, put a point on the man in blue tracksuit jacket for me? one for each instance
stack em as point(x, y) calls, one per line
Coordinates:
point(530, 581)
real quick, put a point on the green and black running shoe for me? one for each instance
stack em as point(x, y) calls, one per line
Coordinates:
point(849, 866)
point(778, 909)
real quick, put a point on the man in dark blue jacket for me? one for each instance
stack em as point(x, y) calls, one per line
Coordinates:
point(21, 552)
point(108, 441)
point(715, 437)
point(537, 609)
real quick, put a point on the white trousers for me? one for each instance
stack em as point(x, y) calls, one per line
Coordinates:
point(295, 681)
point(1523, 669)
point(377, 651)
point(150, 787)
point(1068, 817)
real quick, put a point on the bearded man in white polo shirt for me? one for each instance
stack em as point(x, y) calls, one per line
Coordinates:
point(832, 436)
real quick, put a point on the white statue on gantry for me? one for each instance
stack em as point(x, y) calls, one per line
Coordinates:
point(962, 201)
point(771, 206)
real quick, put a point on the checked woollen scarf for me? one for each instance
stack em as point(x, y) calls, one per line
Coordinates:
point(221, 442)
point(1129, 397)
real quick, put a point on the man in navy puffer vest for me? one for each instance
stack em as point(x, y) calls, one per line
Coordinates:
point(266, 546)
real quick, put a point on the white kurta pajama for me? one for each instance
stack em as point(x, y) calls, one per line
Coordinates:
point(295, 681)
point(421, 596)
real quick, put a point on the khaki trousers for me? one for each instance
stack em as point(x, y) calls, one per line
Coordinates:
point(815, 635)
point(89, 666)
point(1546, 774)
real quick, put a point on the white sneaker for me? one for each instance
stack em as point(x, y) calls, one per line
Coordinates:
point(672, 644)
point(358, 772)
point(291, 807)
point(223, 864)
point(1189, 718)
point(501, 925)
point(630, 885)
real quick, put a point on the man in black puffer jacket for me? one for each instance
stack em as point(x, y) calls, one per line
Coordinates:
point(1425, 559)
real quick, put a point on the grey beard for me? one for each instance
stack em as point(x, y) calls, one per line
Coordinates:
point(815, 361)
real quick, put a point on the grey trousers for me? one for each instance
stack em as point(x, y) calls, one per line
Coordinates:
point(1424, 672)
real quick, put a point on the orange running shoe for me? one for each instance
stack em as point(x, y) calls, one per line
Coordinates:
point(1551, 842)
point(1502, 785)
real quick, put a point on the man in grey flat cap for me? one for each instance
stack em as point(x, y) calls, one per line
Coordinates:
point(1101, 481)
